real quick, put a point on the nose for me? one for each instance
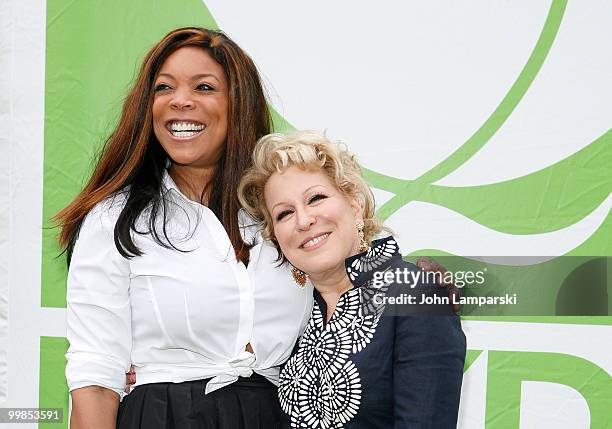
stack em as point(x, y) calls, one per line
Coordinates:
point(182, 100)
point(305, 218)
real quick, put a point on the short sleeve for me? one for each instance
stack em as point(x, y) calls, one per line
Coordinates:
point(99, 313)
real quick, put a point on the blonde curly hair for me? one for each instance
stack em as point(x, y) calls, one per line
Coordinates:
point(308, 150)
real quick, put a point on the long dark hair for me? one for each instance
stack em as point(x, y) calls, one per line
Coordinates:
point(133, 159)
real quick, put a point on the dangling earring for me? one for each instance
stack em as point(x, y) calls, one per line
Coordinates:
point(299, 277)
point(363, 243)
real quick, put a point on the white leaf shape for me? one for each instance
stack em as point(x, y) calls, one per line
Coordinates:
point(422, 225)
point(564, 108)
point(403, 83)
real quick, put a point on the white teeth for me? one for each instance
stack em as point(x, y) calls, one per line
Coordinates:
point(314, 241)
point(184, 133)
point(186, 126)
point(185, 129)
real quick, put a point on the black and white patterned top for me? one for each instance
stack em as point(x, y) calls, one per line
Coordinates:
point(366, 368)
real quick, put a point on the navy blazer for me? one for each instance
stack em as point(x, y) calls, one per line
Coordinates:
point(376, 363)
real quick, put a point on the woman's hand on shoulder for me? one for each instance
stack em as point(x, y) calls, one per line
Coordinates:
point(432, 266)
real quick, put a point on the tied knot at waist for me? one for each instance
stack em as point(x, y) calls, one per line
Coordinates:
point(240, 366)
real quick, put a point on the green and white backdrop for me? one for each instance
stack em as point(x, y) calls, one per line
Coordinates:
point(483, 126)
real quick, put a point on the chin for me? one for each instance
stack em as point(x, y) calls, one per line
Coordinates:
point(182, 160)
point(321, 269)
point(183, 157)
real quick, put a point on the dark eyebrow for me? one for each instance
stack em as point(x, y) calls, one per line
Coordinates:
point(200, 76)
point(195, 77)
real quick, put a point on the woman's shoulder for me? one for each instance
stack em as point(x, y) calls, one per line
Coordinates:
point(107, 211)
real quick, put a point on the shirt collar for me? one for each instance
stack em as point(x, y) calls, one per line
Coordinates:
point(360, 268)
point(383, 253)
point(168, 184)
point(244, 219)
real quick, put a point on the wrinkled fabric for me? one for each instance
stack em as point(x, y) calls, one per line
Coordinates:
point(177, 315)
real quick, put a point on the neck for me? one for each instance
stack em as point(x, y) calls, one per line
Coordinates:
point(192, 182)
point(331, 285)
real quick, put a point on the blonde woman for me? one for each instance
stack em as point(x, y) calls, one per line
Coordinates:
point(362, 361)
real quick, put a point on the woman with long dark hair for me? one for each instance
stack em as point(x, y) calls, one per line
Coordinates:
point(165, 270)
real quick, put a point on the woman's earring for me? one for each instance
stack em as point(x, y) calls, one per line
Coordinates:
point(363, 243)
point(299, 277)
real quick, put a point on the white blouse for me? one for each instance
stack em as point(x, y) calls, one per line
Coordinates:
point(178, 316)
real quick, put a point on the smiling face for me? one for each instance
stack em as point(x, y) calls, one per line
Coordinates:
point(190, 108)
point(313, 221)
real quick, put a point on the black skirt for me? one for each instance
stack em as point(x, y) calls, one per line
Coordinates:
point(248, 403)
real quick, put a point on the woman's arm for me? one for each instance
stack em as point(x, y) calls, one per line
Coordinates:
point(428, 360)
point(427, 371)
point(98, 322)
point(94, 407)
